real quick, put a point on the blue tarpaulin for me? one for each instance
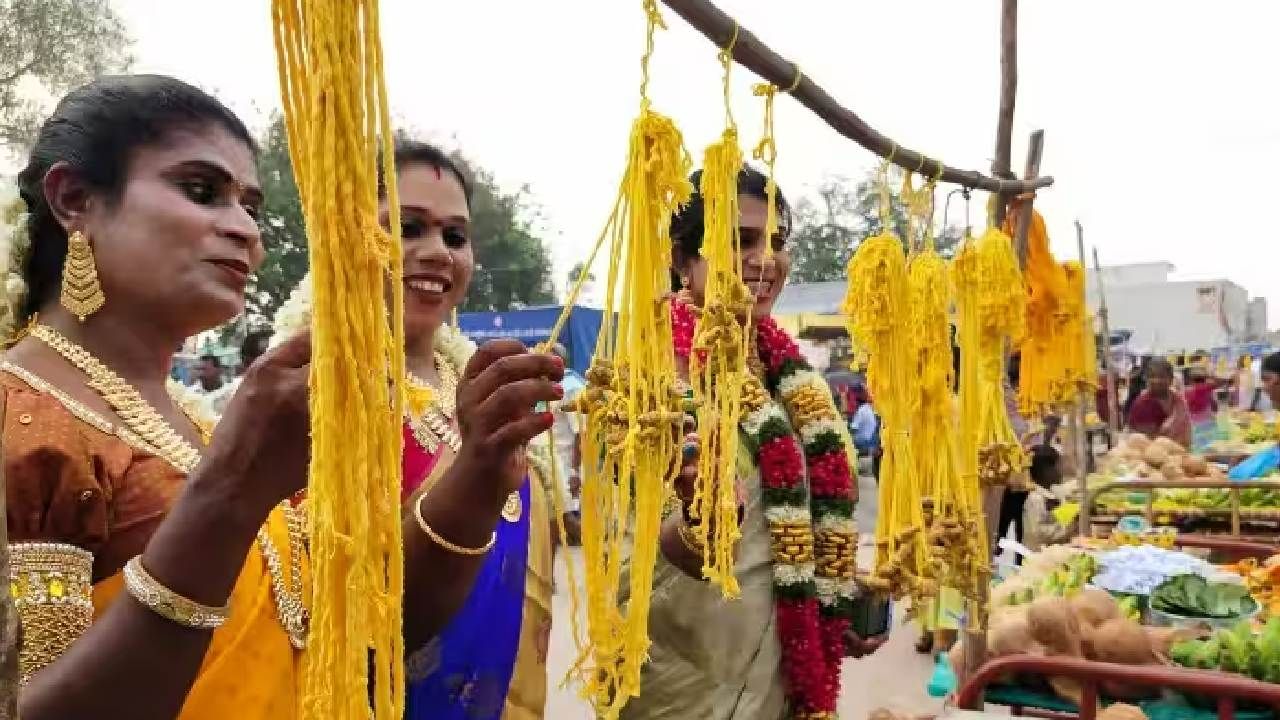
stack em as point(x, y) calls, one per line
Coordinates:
point(533, 325)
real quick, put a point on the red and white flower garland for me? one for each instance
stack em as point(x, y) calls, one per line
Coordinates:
point(810, 514)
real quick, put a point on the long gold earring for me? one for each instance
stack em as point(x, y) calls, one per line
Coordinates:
point(81, 292)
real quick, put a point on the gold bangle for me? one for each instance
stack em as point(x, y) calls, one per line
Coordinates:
point(51, 586)
point(435, 537)
point(691, 541)
point(168, 604)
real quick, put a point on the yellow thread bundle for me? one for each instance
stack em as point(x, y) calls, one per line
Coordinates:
point(718, 365)
point(330, 64)
point(633, 424)
point(634, 412)
point(878, 311)
point(1041, 367)
point(990, 306)
point(1079, 364)
point(933, 428)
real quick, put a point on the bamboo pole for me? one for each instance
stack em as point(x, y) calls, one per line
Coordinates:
point(754, 55)
point(1082, 449)
point(1113, 399)
point(1001, 163)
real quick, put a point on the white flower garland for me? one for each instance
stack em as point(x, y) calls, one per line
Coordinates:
point(15, 244)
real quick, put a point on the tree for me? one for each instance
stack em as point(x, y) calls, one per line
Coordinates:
point(513, 266)
point(284, 232)
point(48, 47)
point(829, 228)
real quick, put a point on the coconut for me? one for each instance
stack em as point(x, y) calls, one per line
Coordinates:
point(1194, 465)
point(1155, 456)
point(1094, 606)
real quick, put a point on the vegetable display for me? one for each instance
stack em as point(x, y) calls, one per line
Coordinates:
point(1238, 650)
point(1194, 597)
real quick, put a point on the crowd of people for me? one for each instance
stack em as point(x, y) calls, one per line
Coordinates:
point(160, 530)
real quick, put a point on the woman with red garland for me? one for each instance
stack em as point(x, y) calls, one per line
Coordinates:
point(775, 653)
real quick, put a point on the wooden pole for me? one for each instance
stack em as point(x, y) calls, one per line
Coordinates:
point(1035, 152)
point(8, 614)
point(754, 55)
point(1002, 161)
point(976, 640)
point(1082, 449)
point(1113, 398)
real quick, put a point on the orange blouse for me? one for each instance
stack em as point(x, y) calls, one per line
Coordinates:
point(67, 480)
point(70, 478)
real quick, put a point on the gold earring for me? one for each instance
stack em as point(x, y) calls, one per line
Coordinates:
point(81, 292)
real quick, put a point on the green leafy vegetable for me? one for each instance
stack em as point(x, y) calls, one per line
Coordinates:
point(1193, 596)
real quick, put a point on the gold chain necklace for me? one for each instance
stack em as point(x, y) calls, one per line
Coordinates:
point(435, 424)
point(151, 427)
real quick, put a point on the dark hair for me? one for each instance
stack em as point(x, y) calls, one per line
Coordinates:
point(687, 226)
point(1043, 459)
point(859, 393)
point(97, 128)
point(1159, 365)
point(211, 358)
point(253, 346)
point(1271, 363)
point(413, 152)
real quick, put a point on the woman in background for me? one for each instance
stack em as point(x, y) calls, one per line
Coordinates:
point(1161, 411)
point(490, 618)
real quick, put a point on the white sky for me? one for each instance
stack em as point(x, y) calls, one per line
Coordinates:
point(1160, 118)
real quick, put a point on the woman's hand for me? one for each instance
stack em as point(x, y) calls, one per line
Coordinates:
point(856, 646)
point(497, 396)
point(262, 442)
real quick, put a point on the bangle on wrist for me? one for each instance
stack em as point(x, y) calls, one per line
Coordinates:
point(690, 539)
point(168, 604)
point(451, 547)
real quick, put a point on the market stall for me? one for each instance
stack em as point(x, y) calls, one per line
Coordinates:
point(1165, 485)
point(1177, 631)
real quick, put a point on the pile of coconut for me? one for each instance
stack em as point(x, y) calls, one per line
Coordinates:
point(1160, 458)
point(1087, 625)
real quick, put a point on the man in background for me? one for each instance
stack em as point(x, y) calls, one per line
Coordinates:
point(252, 348)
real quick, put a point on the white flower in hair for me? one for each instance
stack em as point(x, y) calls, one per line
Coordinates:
point(15, 243)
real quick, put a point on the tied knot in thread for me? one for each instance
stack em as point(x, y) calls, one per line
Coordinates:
point(633, 413)
point(718, 366)
point(877, 306)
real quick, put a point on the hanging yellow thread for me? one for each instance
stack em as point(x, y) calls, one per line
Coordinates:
point(335, 107)
point(634, 411)
point(990, 305)
point(957, 533)
point(1041, 368)
point(878, 312)
point(718, 364)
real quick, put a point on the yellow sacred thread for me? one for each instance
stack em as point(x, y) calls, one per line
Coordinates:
point(717, 366)
point(329, 58)
point(877, 306)
point(633, 409)
point(990, 307)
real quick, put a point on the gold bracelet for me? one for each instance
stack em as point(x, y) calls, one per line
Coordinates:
point(168, 604)
point(51, 586)
point(435, 537)
point(690, 540)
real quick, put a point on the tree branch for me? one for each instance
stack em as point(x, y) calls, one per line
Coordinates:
point(754, 55)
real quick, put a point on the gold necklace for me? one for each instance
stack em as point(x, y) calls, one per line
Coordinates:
point(156, 433)
point(435, 425)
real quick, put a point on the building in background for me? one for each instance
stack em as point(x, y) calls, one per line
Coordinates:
point(1165, 315)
